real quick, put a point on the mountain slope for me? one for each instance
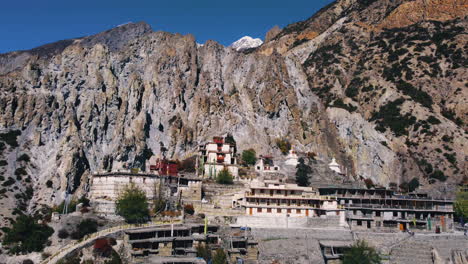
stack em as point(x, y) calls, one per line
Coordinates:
point(389, 102)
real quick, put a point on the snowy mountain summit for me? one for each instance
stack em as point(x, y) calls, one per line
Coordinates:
point(246, 43)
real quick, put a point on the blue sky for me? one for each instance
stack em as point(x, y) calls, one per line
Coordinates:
point(25, 24)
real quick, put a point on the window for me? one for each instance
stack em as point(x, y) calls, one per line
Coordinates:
point(289, 211)
point(359, 223)
point(292, 192)
point(298, 211)
point(395, 214)
point(278, 210)
point(262, 191)
point(258, 167)
point(377, 213)
point(278, 191)
point(276, 168)
point(268, 210)
point(259, 210)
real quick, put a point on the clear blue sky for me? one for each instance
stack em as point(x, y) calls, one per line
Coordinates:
point(25, 24)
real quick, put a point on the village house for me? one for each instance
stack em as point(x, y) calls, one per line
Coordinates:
point(105, 187)
point(216, 156)
point(383, 209)
point(276, 198)
point(265, 164)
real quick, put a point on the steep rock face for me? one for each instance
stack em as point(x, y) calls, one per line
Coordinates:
point(390, 105)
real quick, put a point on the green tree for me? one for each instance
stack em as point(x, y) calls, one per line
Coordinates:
point(229, 139)
point(220, 257)
point(204, 252)
point(132, 204)
point(461, 204)
point(283, 145)
point(361, 253)
point(413, 184)
point(249, 156)
point(26, 235)
point(302, 173)
point(224, 177)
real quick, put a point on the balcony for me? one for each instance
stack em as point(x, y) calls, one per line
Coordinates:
point(403, 207)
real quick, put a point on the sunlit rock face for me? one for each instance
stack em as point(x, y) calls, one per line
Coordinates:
point(388, 104)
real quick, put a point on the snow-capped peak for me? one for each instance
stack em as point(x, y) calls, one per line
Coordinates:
point(246, 43)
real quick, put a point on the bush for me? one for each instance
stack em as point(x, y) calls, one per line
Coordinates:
point(361, 253)
point(8, 182)
point(49, 184)
point(302, 173)
point(3, 163)
point(85, 227)
point(224, 177)
point(389, 116)
point(249, 156)
point(439, 175)
point(369, 183)
point(188, 209)
point(204, 252)
point(63, 233)
point(461, 204)
point(283, 145)
point(219, 257)
point(20, 171)
point(413, 184)
point(28, 261)
point(132, 204)
point(84, 201)
point(10, 137)
point(24, 157)
point(229, 139)
point(26, 235)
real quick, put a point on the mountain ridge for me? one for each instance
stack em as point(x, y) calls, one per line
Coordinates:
point(332, 86)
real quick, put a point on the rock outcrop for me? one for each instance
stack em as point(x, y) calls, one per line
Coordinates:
point(389, 104)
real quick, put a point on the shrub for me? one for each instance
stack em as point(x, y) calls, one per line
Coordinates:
point(361, 253)
point(389, 116)
point(219, 257)
point(28, 261)
point(132, 204)
point(84, 201)
point(439, 175)
point(63, 233)
point(26, 235)
point(20, 171)
point(249, 156)
point(283, 145)
point(229, 139)
point(85, 227)
point(188, 209)
point(413, 184)
point(302, 173)
point(3, 163)
point(369, 183)
point(49, 184)
point(433, 120)
point(204, 252)
point(10, 137)
point(24, 157)
point(461, 204)
point(8, 182)
point(224, 177)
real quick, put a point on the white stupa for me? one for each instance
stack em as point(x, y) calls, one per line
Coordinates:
point(291, 159)
point(334, 166)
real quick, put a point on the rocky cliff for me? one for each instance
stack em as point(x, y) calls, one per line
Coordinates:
point(381, 91)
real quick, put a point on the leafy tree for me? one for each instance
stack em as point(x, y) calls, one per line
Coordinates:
point(361, 253)
point(188, 164)
point(413, 184)
point(83, 200)
point(224, 177)
point(63, 233)
point(220, 257)
point(283, 145)
point(204, 252)
point(302, 173)
point(230, 139)
point(461, 204)
point(85, 227)
point(249, 156)
point(132, 204)
point(26, 235)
